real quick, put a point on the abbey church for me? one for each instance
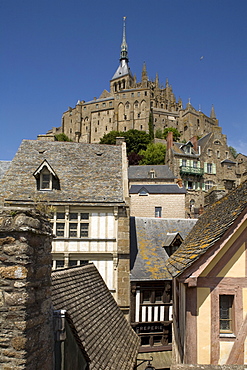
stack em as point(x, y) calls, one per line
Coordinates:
point(202, 159)
point(128, 104)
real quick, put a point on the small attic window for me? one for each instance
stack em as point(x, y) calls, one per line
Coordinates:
point(46, 178)
point(143, 192)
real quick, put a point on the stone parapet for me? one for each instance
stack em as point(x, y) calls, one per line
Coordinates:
point(26, 332)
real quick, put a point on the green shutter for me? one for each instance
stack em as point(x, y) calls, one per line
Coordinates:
point(205, 167)
point(214, 168)
point(180, 162)
point(203, 186)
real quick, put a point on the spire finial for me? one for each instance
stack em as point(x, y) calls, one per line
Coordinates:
point(124, 47)
point(212, 113)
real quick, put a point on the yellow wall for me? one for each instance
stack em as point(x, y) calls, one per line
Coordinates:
point(244, 315)
point(225, 349)
point(203, 325)
point(236, 266)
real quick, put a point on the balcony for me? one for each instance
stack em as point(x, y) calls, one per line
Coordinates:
point(186, 170)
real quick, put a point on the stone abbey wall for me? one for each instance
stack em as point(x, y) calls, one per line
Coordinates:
point(26, 331)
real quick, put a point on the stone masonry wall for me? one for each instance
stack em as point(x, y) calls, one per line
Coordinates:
point(26, 331)
point(173, 205)
point(123, 297)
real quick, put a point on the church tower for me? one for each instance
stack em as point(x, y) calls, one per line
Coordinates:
point(122, 78)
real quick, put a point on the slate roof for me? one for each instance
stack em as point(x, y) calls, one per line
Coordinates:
point(147, 238)
point(210, 227)
point(162, 172)
point(4, 166)
point(104, 332)
point(158, 189)
point(88, 173)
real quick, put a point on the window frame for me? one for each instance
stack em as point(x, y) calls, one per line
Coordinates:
point(230, 314)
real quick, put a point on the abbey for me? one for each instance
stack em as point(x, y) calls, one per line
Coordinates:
point(130, 105)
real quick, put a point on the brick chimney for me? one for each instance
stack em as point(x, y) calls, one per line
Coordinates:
point(169, 140)
point(195, 143)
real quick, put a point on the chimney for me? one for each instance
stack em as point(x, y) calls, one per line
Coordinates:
point(169, 140)
point(195, 143)
point(120, 140)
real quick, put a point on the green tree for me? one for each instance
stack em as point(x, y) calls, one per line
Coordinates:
point(159, 134)
point(233, 151)
point(154, 154)
point(135, 140)
point(176, 133)
point(110, 138)
point(62, 137)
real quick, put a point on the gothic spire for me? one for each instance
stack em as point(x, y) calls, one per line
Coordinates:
point(212, 114)
point(144, 70)
point(124, 47)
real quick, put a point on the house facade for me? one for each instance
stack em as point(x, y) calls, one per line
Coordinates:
point(84, 188)
point(210, 286)
point(202, 165)
point(152, 242)
point(154, 193)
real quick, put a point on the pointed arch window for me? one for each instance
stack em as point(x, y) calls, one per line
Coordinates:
point(46, 178)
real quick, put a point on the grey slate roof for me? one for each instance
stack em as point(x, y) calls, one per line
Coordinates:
point(87, 172)
point(4, 166)
point(162, 172)
point(104, 332)
point(210, 227)
point(147, 238)
point(158, 189)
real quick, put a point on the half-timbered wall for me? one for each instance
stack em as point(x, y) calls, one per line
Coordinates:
point(86, 235)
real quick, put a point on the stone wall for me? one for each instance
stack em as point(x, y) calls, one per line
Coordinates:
point(26, 331)
point(173, 205)
point(123, 276)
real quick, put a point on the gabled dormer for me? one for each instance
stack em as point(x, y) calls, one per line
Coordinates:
point(187, 148)
point(46, 177)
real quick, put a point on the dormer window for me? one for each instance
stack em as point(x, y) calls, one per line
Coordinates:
point(46, 177)
point(45, 180)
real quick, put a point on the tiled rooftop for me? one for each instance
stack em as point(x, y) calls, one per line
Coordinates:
point(210, 227)
point(158, 189)
point(148, 237)
point(104, 332)
point(87, 172)
point(161, 172)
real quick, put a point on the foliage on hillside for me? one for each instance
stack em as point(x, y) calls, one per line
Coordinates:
point(140, 149)
point(62, 137)
point(154, 154)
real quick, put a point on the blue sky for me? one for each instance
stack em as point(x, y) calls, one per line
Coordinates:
point(54, 52)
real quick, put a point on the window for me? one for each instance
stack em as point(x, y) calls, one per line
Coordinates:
point(103, 104)
point(184, 162)
point(72, 263)
point(76, 225)
point(143, 192)
point(158, 211)
point(138, 94)
point(46, 178)
point(110, 104)
point(59, 264)
point(97, 105)
point(218, 154)
point(226, 313)
point(209, 152)
point(209, 168)
point(195, 164)
point(132, 94)
point(208, 185)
